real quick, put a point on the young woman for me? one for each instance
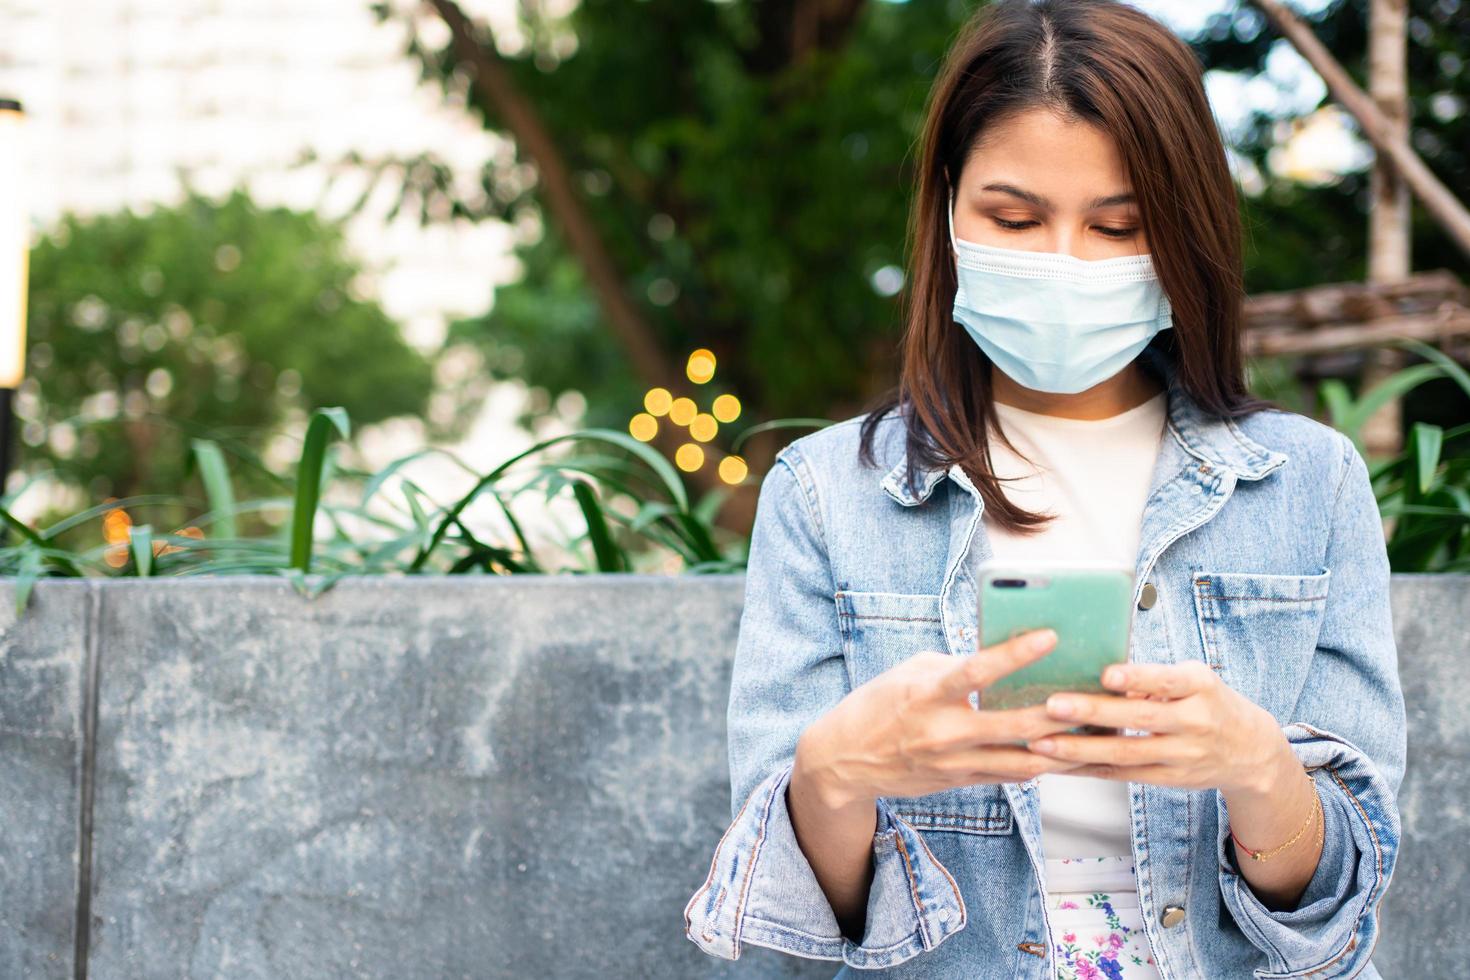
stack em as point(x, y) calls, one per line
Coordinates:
point(1072, 387)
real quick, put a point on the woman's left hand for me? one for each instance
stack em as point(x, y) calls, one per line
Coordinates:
point(1203, 733)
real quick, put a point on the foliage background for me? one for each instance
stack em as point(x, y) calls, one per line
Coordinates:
point(215, 318)
point(743, 166)
point(753, 190)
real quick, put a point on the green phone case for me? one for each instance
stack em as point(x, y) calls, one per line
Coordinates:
point(1088, 604)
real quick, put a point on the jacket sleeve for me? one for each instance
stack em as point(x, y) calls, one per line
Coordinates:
point(1348, 729)
point(789, 670)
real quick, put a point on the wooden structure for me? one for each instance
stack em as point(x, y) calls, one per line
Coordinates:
point(1433, 307)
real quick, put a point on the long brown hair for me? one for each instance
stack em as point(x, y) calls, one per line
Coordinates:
point(1118, 68)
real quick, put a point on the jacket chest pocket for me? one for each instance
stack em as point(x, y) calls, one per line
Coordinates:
point(1260, 631)
point(882, 629)
point(879, 631)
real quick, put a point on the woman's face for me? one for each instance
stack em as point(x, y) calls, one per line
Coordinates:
point(1041, 182)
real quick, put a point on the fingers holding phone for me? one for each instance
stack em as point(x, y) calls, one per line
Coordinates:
point(912, 729)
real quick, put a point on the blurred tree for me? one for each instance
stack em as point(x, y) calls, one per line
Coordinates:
point(1302, 234)
point(736, 175)
point(214, 318)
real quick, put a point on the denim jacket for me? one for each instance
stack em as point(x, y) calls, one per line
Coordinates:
point(1262, 539)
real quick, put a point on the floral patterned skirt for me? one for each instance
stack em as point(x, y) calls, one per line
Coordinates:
point(1096, 923)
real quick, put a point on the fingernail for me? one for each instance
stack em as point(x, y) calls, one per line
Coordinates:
point(1113, 675)
point(1043, 745)
point(1043, 639)
point(1061, 707)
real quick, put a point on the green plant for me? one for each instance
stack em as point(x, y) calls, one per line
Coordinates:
point(213, 317)
point(410, 534)
point(1424, 491)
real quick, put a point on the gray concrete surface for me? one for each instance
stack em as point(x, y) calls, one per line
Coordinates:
point(42, 658)
point(1426, 913)
point(457, 777)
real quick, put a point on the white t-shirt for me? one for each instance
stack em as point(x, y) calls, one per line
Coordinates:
point(1093, 474)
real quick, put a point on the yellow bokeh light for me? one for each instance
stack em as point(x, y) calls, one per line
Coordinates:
point(689, 457)
point(115, 524)
point(733, 469)
point(643, 427)
point(726, 408)
point(657, 401)
point(701, 366)
point(682, 411)
point(704, 427)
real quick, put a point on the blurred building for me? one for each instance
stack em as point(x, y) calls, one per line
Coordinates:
point(121, 95)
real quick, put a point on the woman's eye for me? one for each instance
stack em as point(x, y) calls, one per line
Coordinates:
point(1106, 230)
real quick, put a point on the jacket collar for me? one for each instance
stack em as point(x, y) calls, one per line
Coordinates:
point(1219, 442)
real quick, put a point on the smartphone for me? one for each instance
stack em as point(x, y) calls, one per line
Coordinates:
point(1088, 603)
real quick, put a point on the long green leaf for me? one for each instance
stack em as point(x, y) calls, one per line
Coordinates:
point(610, 557)
point(1453, 513)
point(376, 481)
point(1415, 546)
point(142, 500)
point(216, 476)
point(140, 540)
point(686, 533)
point(25, 578)
point(39, 541)
point(515, 527)
point(420, 519)
point(794, 423)
point(1394, 386)
point(309, 473)
point(1427, 441)
point(665, 470)
point(1447, 364)
point(1339, 403)
point(709, 505)
point(666, 531)
point(649, 512)
point(699, 537)
point(21, 527)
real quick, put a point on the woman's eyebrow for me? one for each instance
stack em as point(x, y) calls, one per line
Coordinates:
point(1044, 202)
point(1102, 202)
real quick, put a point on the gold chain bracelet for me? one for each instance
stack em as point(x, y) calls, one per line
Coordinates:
point(1316, 807)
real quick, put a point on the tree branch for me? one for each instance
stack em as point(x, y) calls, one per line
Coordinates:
point(822, 24)
point(1437, 199)
point(497, 91)
point(790, 30)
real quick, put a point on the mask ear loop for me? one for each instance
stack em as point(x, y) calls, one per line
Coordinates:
point(949, 214)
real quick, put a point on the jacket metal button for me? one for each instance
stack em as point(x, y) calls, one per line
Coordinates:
point(1172, 916)
point(1148, 596)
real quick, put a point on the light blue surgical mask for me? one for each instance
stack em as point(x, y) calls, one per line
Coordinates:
point(1054, 322)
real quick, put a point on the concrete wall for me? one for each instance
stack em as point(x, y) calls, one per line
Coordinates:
point(456, 777)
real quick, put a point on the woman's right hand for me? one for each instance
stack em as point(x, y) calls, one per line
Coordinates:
point(911, 730)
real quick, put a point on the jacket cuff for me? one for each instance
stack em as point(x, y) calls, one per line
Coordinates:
point(761, 889)
point(1332, 930)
